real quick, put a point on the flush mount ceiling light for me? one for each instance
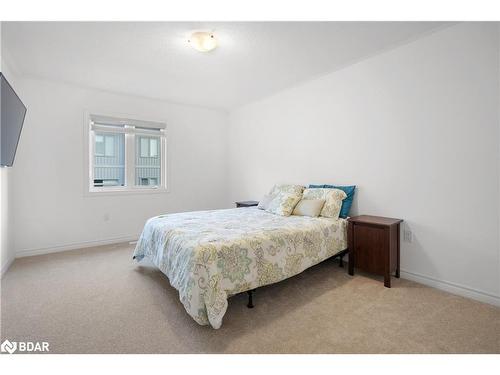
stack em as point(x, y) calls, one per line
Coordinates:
point(203, 41)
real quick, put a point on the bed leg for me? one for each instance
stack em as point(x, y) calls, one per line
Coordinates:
point(250, 301)
point(341, 260)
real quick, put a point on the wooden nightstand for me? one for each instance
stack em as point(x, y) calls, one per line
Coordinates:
point(374, 245)
point(246, 204)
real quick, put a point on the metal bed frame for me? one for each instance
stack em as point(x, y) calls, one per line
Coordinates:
point(340, 255)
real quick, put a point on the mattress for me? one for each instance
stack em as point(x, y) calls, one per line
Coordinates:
point(209, 256)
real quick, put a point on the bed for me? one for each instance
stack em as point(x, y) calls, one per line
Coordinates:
point(209, 256)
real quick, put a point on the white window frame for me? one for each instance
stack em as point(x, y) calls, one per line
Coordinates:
point(129, 123)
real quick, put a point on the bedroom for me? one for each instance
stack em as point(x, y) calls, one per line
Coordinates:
point(252, 187)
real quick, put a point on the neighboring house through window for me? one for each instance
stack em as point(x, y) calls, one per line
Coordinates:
point(109, 159)
point(104, 145)
point(148, 164)
point(126, 154)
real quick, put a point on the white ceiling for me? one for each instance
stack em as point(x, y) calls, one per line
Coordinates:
point(152, 59)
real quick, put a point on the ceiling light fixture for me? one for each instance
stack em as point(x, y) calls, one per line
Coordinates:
point(203, 41)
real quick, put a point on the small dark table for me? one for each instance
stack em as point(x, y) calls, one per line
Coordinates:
point(374, 245)
point(247, 204)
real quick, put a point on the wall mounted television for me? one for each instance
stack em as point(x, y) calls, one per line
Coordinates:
point(12, 113)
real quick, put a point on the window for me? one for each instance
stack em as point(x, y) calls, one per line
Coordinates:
point(126, 155)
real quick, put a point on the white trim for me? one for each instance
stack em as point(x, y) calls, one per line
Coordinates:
point(119, 191)
point(453, 288)
point(129, 164)
point(6, 266)
point(165, 165)
point(74, 246)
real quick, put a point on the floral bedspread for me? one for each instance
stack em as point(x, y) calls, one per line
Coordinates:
point(211, 255)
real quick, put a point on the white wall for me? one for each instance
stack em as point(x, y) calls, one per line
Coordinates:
point(417, 129)
point(49, 209)
point(7, 254)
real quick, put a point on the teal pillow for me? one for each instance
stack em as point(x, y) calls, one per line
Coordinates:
point(347, 202)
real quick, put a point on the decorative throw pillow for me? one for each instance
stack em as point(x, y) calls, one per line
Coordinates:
point(291, 189)
point(333, 200)
point(347, 202)
point(309, 207)
point(283, 203)
point(264, 202)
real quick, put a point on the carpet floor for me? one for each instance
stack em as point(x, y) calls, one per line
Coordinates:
point(97, 300)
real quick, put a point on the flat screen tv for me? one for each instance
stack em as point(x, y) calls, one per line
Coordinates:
point(12, 113)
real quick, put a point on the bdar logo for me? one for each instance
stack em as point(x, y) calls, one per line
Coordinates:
point(24, 346)
point(8, 346)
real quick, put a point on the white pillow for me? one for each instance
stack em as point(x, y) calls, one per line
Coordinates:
point(283, 203)
point(333, 200)
point(309, 207)
point(264, 202)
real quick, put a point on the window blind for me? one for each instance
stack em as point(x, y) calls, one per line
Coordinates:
point(112, 125)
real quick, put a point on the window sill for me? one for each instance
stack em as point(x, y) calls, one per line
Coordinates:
point(124, 191)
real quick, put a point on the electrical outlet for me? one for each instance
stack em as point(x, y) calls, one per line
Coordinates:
point(407, 235)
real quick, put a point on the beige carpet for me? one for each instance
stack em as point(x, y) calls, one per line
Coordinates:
point(99, 301)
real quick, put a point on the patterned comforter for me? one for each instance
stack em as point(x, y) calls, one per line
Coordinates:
point(210, 255)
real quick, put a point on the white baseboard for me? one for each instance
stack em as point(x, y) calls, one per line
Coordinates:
point(73, 246)
point(453, 288)
point(6, 266)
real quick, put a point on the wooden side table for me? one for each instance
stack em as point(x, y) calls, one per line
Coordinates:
point(374, 245)
point(246, 204)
